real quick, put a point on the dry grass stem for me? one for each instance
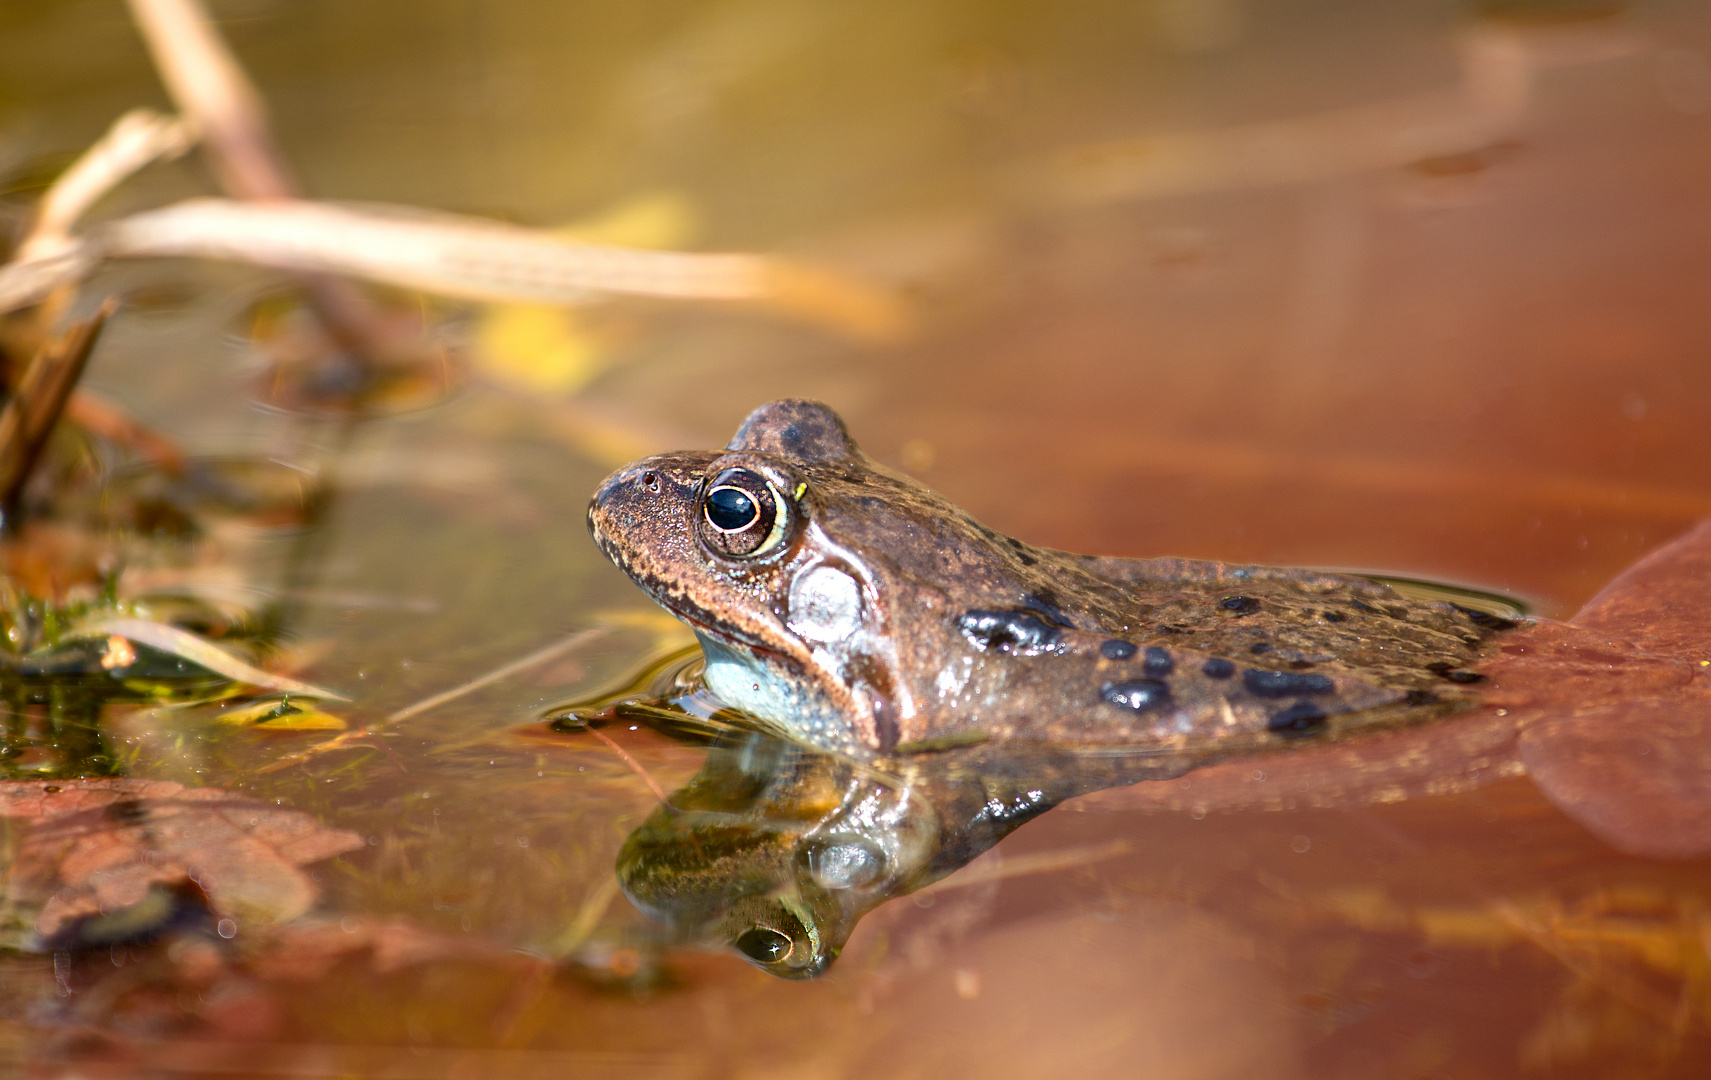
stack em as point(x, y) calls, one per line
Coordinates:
point(452, 256)
point(1044, 862)
point(38, 399)
point(355, 738)
point(539, 656)
point(210, 88)
point(634, 766)
point(135, 139)
point(463, 258)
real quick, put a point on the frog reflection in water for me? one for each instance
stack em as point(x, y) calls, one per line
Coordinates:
point(956, 681)
point(778, 850)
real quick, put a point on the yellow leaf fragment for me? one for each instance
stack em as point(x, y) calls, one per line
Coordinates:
point(550, 348)
point(1464, 928)
point(656, 219)
point(539, 347)
point(283, 715)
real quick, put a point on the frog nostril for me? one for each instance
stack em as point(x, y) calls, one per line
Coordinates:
point(650, 480)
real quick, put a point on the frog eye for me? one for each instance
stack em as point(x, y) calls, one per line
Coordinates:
point(743, 513)
point(763, 944)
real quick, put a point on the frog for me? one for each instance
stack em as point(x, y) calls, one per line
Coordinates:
point(850, 608)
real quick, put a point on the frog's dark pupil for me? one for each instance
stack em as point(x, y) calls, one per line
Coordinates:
point(730, 509)
point(763, 944)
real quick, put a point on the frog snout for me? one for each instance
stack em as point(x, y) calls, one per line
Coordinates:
point(643, 502)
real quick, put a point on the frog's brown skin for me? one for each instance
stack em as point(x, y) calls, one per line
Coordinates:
point(875, 615)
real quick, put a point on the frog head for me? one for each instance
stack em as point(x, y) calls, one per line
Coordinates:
point(798, 562)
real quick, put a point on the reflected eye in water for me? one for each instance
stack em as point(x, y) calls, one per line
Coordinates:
point(742, 515)
point(779, 935)
point(763, 944)
point(847, 865)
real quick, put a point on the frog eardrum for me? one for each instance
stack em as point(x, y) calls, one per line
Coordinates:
point(743, 515)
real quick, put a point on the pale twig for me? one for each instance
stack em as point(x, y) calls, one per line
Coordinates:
point(1043, 862)
point(210, 88)
point(135, 139)
point(539, 656)
point(465, 258)
point(588, 914)
point(634, 765)
point(439, 253)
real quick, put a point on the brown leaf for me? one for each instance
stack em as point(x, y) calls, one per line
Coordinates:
point(1639, 776)
point(1661, 601)
point(92, 847)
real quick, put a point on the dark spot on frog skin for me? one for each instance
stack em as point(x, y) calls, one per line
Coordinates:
point(1446, 669)
point(1419, 697)
point(1361, 605)
point(1334, 616)
point(1259, 647)
point(1485, 619)
point(1285, 683)
point(1137, 694)
point(1158, 663)
point(1301, 718)
point(1045, 604)
point(1217, 668)
point(1018, 632)
point(1240, 605)
point(1116, 650)
point(1021, 551)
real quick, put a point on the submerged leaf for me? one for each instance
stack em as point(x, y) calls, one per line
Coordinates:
point(283, 715)
point(92, 849)
point(187, 646)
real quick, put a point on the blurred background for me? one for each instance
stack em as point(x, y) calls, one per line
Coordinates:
point(1416, 286)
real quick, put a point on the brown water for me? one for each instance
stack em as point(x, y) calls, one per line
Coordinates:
point(1479, 363)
